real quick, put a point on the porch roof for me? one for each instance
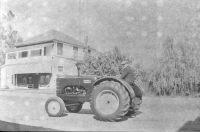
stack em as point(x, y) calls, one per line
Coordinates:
point(30, 47)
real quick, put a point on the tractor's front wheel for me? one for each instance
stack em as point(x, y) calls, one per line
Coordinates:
point(55, 106)
point(110, 101)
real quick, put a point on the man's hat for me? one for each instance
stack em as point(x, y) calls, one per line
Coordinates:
point(124, 62)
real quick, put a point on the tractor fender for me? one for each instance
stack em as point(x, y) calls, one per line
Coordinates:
point(119, 80)
point(140, 85)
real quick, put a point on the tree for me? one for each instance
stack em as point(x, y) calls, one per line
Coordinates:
point(8, 36)
point(177, 70)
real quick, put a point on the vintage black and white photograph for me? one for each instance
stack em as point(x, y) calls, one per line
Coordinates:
point(100, 65)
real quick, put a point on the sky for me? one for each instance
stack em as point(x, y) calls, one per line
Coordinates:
point(151, 21)
point(37, 16)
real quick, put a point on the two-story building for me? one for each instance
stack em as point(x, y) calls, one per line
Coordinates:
point(36, 62)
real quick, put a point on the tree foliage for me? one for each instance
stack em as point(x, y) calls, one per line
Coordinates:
point(8, 36)
point(177, 71)
point(104, 64)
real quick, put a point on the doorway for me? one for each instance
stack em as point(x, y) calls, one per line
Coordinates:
point(27, 80)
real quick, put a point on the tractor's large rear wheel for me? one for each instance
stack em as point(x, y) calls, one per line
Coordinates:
point(139, 92)
point(110, 101)
point(137, 103)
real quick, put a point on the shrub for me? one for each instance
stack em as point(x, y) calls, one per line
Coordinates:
point(104, 64)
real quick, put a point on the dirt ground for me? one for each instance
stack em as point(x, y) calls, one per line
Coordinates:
point(24, 110)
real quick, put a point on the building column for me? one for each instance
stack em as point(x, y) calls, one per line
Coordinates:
point(54, 73)
point(15, 80)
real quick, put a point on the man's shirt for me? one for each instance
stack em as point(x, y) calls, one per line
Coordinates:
point(128, 75)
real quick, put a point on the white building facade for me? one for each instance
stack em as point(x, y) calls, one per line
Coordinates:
point(35, 63)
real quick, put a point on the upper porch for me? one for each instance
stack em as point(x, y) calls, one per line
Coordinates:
point(32, 54)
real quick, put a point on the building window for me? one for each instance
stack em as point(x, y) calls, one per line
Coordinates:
point(59, 49)
point(23, 54)
point(45, 79)
point(21, 80)
point(75, 49)
point(48, 50)
point(11, 56)
point(36, 52)
point(60, 68)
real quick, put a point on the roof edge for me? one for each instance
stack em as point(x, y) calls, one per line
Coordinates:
point(70, 43)
point(42, 42)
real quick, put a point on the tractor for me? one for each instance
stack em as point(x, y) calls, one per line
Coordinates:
point(111, 98)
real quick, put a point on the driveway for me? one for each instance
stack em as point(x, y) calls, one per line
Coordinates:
point(24, 110)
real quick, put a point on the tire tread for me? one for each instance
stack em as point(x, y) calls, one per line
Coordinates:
point(125, 101)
